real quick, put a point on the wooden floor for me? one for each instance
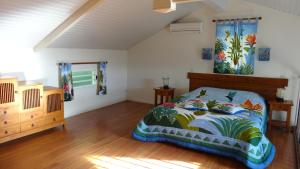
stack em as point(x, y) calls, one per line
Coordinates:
point(101, 139)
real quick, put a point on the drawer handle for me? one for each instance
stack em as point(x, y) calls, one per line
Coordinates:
point(32, 125)
point(32, 116)
point(5, 122)
point(54, 119)
point(6, 132)
point(5, 112)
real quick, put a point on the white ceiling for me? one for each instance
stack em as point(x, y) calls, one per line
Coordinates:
point(288, 6)
point(114, 24)
point(23, 23)
point(119, 24)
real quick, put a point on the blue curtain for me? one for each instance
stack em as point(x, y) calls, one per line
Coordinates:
point(235, 47)
point(65, 77)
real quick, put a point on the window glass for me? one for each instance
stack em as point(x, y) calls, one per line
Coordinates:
point(83, 78)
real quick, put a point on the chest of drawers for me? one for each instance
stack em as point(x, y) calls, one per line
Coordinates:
point(27, 108)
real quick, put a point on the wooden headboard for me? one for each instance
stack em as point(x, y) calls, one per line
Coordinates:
point(267, 87)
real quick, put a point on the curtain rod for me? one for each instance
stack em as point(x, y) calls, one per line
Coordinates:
point(83, 63)
point(221, 20)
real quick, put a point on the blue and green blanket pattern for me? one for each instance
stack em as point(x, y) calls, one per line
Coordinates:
point(240, 136)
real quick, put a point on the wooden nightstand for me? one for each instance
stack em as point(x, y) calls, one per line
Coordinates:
point(281, 106)
point(167, 93)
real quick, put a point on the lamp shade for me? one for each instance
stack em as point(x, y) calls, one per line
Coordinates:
point(164, 6)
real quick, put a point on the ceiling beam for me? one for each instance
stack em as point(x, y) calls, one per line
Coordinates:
point(166, 6)
point(220, 5)
point(185, 1)
point(67, 24)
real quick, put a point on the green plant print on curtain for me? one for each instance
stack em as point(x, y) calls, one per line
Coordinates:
point(235, 47)
point(65, 80)
point(102, 79)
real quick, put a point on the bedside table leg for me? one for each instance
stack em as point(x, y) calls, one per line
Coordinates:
point(270, 119)
point(155, 98)
point(288, 120)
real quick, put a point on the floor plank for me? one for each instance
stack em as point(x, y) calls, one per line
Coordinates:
point(101, 139)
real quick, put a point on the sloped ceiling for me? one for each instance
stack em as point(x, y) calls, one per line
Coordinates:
point(115, 24)
point(288, 6)
point(119, 24)
point(23, 23)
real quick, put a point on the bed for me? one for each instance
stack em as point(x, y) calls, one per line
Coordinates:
point(222, 114)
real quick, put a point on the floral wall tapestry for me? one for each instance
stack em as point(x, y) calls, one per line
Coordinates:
point(102, 79)
point(66, 82)
point(235, 47)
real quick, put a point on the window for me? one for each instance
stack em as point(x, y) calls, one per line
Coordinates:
point(84, 78)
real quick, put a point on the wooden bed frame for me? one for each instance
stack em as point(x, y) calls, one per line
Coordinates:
point(266, 87)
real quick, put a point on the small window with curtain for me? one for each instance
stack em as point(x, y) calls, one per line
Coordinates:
point(84, 78)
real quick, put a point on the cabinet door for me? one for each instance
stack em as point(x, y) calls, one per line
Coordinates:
point(53, 102)
point(8, 87)
point(31, 98)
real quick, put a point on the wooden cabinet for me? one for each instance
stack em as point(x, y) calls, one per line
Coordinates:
point(27, 108)
point(285, 106)
point(167, 93)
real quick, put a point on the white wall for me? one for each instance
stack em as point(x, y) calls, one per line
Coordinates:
point(42, 66)
point(173, 54)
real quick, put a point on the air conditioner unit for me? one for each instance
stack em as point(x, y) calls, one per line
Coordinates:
point(187, 27)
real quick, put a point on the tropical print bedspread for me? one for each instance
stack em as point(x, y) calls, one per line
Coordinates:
point(190, 121)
